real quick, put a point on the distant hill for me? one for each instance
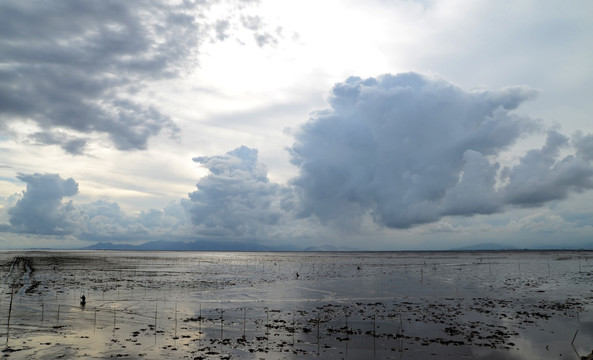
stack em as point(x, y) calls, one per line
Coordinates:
point(208, 245)
point(329, 248)
point(484, 247)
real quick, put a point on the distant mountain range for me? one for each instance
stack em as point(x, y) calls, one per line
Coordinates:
point(217, 245)
point(208, 245)
point(484, 247)
point(501, 247)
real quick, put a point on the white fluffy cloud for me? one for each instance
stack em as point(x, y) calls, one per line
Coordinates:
point(40, 209)
point(409, 150)
point(236, 197)
point(395, 151)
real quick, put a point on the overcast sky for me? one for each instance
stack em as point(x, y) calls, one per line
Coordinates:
point(375, 125)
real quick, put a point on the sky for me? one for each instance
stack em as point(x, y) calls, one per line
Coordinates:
point(369, 125)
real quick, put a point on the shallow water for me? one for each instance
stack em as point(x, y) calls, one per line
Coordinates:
point(395, 305)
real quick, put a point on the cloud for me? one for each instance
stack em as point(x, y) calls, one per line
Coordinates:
point(40, 209)
point(105, 221)
point(394, 151)
point(409, 150)
point(76, 66)
point(236, 197)
point(252, 22)
point(584, 145)
point(221, 27)
point(70, 144)
point(541, 176)
point(81, 68)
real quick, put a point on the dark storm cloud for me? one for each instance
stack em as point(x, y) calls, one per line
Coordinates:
point(77, 66)
point(40, 210)
point(72, 65)
point(409, 150)
point(70, 144)
point(236, 197)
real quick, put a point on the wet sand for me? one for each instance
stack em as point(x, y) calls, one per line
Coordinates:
point(209, 305)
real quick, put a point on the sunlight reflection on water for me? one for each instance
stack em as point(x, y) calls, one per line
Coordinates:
point(488, 305)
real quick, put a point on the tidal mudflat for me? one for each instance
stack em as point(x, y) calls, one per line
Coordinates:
point(236, 305)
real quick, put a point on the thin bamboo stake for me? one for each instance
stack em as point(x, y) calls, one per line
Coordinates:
point(318, 342)
point(221, 324)
point(175, 337)
point(9, 313)
point(156, 311)
point(374, 336)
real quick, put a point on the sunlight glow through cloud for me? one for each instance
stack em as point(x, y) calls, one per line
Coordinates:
point(120, 97)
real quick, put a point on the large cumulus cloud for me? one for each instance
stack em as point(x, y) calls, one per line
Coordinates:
point(236, 198)
point(408, 150)
point(394, 151)
point(76, 68)
point(46, 207)
point(40, 209)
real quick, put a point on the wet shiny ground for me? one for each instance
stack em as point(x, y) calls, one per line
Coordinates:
point(197, 305)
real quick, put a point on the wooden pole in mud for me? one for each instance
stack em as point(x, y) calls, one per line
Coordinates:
point(374, 336)
point(156, 311)
point(9, 312)
point(318, 342)
point(221, 324)
point(548, 266)
point(58, 321)
point(42, 308)
point(95, 322)
point(175, 337)
point(267, 321)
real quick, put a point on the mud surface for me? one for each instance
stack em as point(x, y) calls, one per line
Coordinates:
point(201, 305)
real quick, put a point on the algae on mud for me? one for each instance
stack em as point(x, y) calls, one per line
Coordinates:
point(169, 305)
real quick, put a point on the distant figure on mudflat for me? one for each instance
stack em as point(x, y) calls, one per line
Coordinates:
point(82, 300)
